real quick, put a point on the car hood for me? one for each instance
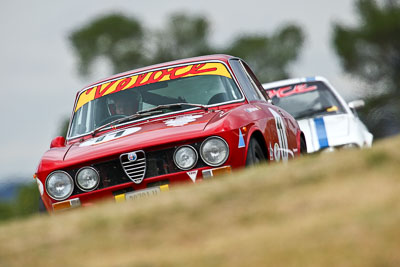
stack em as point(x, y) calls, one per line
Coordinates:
point(141, 135)
point(325, 131)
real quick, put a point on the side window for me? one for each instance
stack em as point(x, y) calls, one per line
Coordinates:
point(244, 80)
point(256, 83)
point(80, 123)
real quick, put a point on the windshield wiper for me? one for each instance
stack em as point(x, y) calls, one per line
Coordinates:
point(174, 105)
point(120, 120)
point(147, 112)
point(309, 112)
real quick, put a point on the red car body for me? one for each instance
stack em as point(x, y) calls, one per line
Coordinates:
point(245, 123)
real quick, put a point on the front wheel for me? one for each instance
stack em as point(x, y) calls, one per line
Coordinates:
point(255, 154)
point(303, 146)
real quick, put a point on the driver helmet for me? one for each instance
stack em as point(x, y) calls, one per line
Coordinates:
point(123, 103)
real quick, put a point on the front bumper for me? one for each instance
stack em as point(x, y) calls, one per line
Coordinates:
point(120, 192)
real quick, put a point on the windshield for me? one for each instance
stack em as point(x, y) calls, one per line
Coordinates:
point(304, 100)
point(204, 84)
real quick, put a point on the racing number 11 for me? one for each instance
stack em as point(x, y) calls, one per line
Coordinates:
point(281, 149)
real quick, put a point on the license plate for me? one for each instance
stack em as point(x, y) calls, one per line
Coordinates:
point(145, 193)
point(140, 194)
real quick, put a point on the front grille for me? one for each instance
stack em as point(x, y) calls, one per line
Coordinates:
point(111, 173)
point(121, 170)
point(134, 165)
point(161, 162)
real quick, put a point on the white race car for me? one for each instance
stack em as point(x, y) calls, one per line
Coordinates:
point(327, 121)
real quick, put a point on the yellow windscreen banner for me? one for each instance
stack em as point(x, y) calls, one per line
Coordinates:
point(150, 77)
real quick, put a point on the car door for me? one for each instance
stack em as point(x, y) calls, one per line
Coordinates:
point(280, 134)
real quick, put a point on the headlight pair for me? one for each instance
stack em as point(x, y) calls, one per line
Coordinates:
point(214, 151)
point(60, 185)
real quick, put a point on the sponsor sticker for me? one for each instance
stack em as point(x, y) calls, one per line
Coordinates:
point(277, 152)
point(110, 136)
point(241, 140)
point(192, 175)
point(271, 152)
point(182, 120)
point(250, 110)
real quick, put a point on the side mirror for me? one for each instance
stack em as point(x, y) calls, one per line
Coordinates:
point(59, 141)
point(356, 104)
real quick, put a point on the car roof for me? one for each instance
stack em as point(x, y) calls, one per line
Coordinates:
point(219, 57)
point(293, 81)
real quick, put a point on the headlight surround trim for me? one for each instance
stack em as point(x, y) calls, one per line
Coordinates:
point(80, 186)
point(195, 161)
point(69, 178)
point(203, 157)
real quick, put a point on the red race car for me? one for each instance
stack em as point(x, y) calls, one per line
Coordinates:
point(137, 133)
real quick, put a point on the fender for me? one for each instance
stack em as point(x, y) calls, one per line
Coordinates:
point(250, 133)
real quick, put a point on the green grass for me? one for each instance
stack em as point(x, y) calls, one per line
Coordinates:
point(331, 209)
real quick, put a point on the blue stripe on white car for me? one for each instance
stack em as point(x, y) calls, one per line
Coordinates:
point(321, 132)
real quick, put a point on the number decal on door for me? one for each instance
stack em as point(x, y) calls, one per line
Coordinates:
point(281, 150)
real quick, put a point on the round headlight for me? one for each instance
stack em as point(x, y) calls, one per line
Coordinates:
point(59, 185)
point(87, 178)
point(185, 157)
point(214, 151)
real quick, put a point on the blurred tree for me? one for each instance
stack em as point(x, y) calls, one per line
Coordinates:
point(115, 37)
point(25, 204)
point(183, 36)
point(6, 211)
point(371, 51)
point(270, 56)
point(27, 200)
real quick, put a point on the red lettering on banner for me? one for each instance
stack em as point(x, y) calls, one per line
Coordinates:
point(153, 80)
point(172, 73)
point(285, 91)
point(88, 91)
point(271, 93)
point(146, 78)
point(139, 79)
point(196, 69)
point(99, 92)
point(288, 90)
point(302, 88)
point(122, 84)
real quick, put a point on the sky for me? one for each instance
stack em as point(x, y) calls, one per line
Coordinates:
point(38, 68)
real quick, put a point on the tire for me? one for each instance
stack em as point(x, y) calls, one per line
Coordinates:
point(303, 146)
point(255, 154)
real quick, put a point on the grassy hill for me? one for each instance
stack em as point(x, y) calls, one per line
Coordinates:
point(331, 209)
